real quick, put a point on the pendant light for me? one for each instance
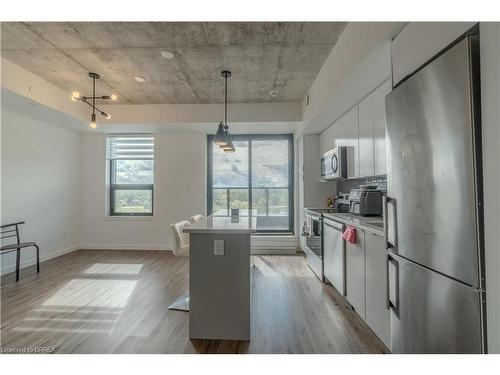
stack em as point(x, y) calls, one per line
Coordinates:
point(76, 97)
point(222, 137)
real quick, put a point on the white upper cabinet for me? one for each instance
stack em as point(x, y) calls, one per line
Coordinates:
point(379, 145)
point(366, 162)
point(420, 41)
point(372, 159)
point(343, 132)
point(347, 134)
point(363, 128)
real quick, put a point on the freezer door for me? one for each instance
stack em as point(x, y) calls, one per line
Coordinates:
point(432, 216)
point(431, 313)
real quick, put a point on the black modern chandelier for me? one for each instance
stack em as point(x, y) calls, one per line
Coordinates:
point(90, 100)
point(222, 138)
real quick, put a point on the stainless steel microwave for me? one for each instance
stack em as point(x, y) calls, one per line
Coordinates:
point(335, 163)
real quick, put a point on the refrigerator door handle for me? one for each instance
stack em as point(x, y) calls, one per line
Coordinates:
point(385, 213)
point(389, 303)
point(387, 286)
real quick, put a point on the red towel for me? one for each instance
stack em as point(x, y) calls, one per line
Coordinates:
point(350, 234)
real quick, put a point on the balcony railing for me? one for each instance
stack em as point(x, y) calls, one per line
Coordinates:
point(265, 209)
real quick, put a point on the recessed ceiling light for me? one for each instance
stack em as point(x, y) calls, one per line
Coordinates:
point(273, 93)
point(140, 79)
point(167, 54)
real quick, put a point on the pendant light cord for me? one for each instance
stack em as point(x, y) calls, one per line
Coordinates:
point(225, 101)
point(93, 95)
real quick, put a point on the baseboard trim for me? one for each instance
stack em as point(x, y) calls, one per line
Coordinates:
point(260, 250)
point(273, 251)
point(31, 261)
point(123, 247)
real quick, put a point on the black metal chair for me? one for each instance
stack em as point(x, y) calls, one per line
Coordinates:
point(10, 231)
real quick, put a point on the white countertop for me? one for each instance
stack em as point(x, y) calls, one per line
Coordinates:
point(223, 224)
point(372, 224)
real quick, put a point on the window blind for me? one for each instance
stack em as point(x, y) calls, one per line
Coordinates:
point(125, 147)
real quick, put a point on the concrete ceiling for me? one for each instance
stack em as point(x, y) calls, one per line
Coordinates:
point(283, 56)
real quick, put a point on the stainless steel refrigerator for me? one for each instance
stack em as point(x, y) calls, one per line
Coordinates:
point(433, 211)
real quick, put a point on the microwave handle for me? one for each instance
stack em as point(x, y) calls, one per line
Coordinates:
point(334, 163)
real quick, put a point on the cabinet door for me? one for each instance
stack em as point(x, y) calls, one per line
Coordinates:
point(366, 162)
point(377, 316)
point(380, 167)
point(333, 260)
point(346, 134)
point(355, 273)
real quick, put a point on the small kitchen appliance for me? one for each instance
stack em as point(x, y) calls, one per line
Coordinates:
point(342, 202)
point(337, 163)
point(366, 201)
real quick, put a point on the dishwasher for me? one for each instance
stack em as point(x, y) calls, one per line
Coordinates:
point(334, 254)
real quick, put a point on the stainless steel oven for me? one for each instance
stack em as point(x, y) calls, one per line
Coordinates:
point(313, 242)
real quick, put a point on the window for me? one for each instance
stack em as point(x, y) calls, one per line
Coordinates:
point(131, 179)
point(258, 177)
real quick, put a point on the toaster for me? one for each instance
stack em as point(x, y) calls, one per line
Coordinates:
point(365, 202)
point(342, 202)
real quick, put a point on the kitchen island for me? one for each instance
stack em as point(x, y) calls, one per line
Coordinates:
point(220, 277)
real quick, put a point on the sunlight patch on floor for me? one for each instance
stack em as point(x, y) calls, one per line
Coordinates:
point(70, 320)
point(93, 292)
point(114, 269)
point(265, 269)
point(71, 330)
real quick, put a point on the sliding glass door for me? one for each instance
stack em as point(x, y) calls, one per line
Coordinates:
point(258, 176)
point(230, 180)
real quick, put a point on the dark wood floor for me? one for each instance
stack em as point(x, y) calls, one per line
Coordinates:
point(94, 301)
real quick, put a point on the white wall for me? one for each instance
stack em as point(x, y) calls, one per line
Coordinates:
point(490, 96)
point(359, 62)
point(40, 185)
point(180, 192)
point(311, 191)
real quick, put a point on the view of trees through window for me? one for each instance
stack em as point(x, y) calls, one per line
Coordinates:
point(254, 177)
point(131, 168)
point(132, 172)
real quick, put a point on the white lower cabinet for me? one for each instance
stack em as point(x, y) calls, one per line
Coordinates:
point(377, 315)
point(333, 254)
point(365, 282)
point(355, 273)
